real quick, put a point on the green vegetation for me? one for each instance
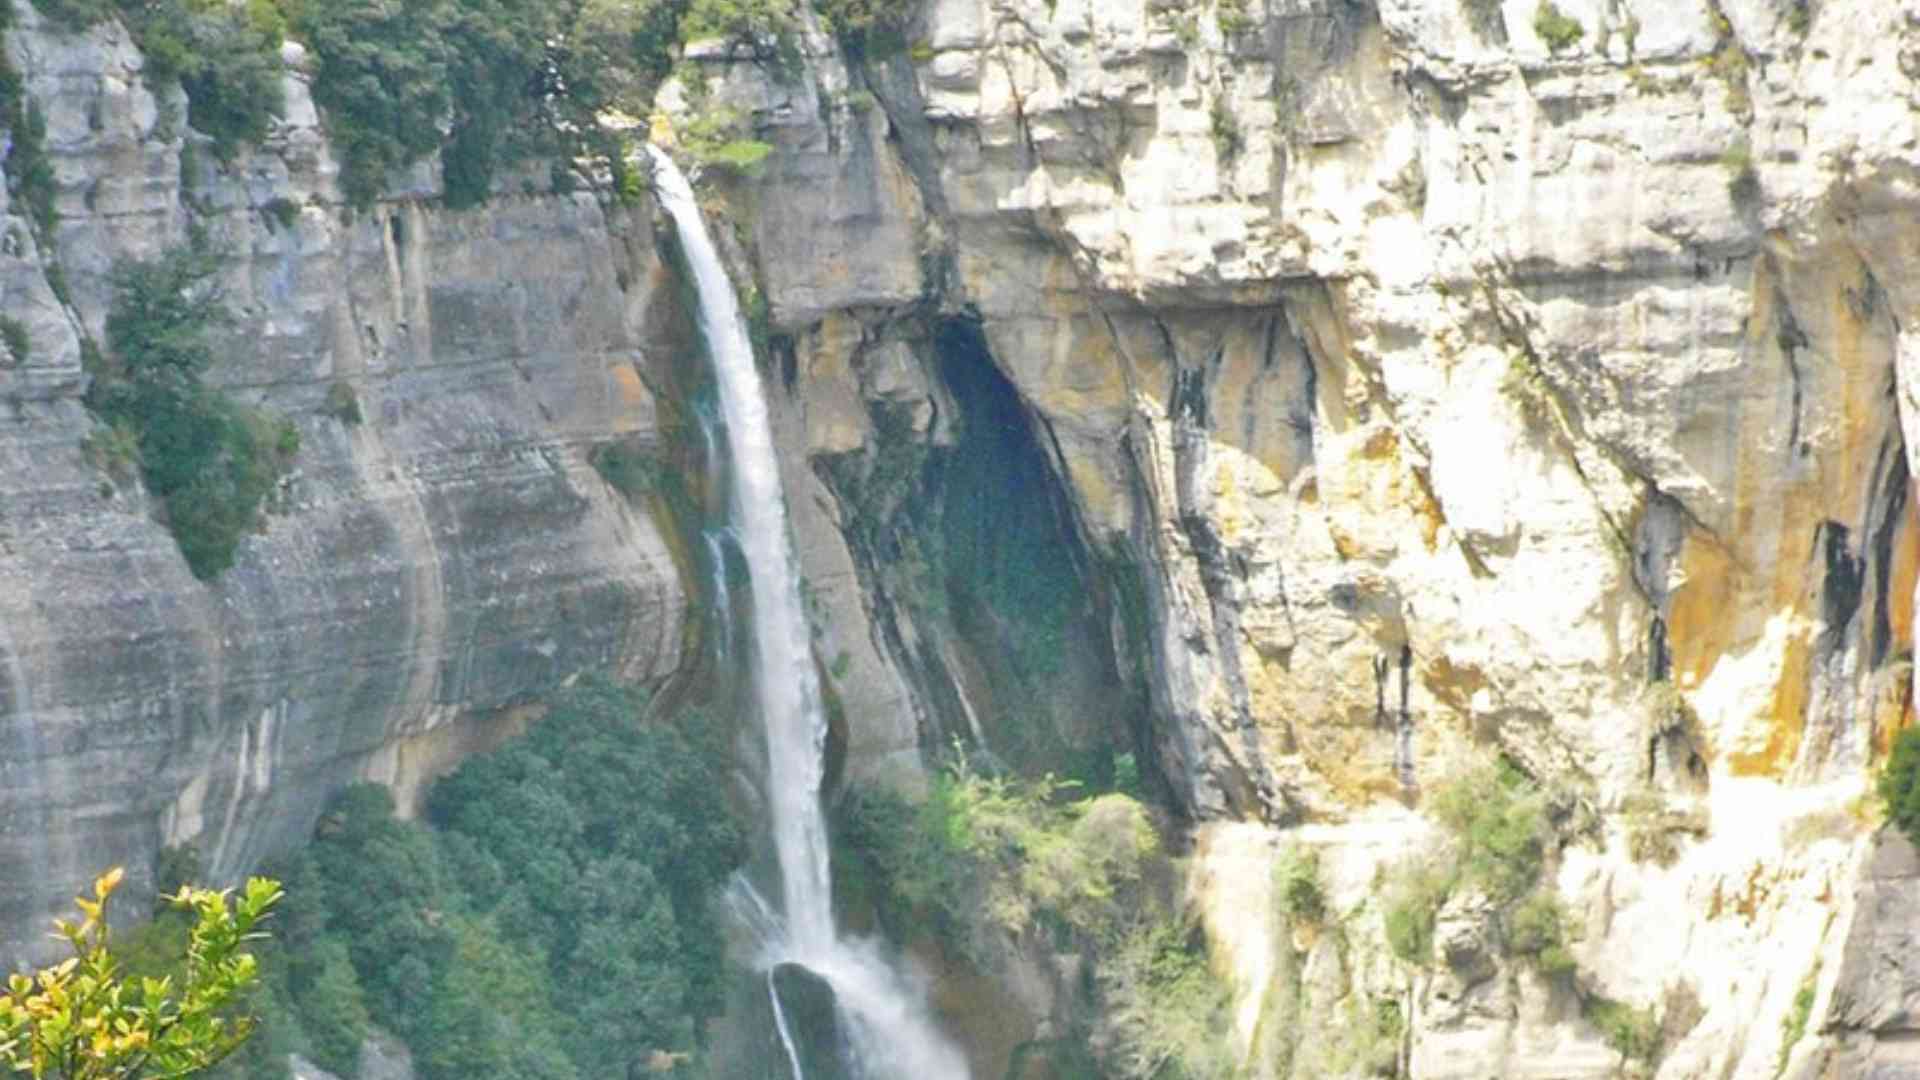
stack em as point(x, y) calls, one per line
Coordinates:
point(717, 139)
point(750, 21)
point(1729, 63)
point(18, 341)
point(1413, 893)
point(226, 56)
point(1899, 783)
point(1633, 1033)
point(1743, 180)
point(343, 404)
point(1166, 1008)
point(487, 82)
point(554, 923)
point(981, 855)
point(1020, 853)
point(1793, 1026)
point(1224, 126)
point(1556, 28)
point(1498, 818)
point(864, 17)
point(210, 460)
point(1539, 929)
point(628, 469)
point(93, 1017)
point(1233, 17)
point(1486, 19)
point(1296, 882)
point(1501, 834)
point(29, 173)
point(281, 212)
point(1654, 827)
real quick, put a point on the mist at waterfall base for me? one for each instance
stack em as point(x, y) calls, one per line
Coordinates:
point(881, 1028)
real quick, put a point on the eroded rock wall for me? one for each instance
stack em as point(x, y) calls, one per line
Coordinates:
point(1451, 394)
point(422, 570)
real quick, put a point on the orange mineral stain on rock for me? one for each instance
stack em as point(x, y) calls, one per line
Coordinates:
point(1786, 721)
point(1699, 626)
point(627, 385)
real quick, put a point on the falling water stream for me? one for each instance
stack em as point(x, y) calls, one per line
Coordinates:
point(886, 1026)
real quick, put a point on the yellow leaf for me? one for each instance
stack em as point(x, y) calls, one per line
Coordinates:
point(108, 882)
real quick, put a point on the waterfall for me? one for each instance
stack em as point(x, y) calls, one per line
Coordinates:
point(891, 1036)
point(722, 597)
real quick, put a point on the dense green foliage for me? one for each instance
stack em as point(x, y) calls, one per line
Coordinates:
point(226, 56)
point(487, 82)
point(1500, 834)
point(1498, 818)
point(629, 469)
point(981, 855)
point(507, 79)
point(994, 852)
point(1900, 783)
point(1555, 27)
point(554, 922)
point(210, 460)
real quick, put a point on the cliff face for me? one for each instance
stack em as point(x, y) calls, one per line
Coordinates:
point(1307, 396)
point(1439, 393)
point(449, 555)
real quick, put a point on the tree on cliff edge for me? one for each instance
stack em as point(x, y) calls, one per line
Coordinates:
point(86, 1019)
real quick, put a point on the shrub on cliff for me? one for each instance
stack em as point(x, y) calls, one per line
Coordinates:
point(1900, 783)
point(227, 57)
point(210, 460)
point(487, 82)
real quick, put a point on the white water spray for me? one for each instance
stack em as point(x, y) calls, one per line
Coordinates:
point(890, 1033)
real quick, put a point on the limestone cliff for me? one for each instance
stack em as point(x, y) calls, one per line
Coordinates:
point(424, 569)
point(1422, 390)
point(1309, 397)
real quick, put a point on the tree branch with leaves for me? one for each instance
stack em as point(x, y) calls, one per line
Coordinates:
point(85, 1019)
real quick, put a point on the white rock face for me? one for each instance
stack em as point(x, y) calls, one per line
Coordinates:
point(1561, 391)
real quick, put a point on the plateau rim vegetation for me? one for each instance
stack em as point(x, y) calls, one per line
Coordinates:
point(488, 85)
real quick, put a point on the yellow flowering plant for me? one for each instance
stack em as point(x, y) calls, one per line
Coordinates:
point(82, 1019)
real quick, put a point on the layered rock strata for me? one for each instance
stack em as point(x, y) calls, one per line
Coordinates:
point(447, 556)
point(1453, 393)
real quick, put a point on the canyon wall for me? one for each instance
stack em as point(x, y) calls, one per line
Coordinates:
point(1442, 392)
point(1376, 388)
point(421, 571)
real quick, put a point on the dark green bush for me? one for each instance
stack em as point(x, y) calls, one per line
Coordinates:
point(1499, 819)
point(1539, 929)
point(343, 404)
point(1558, 29)
point(1900, 783)
point(210, 460)
point(507, 79)
point(630, 470)
point(19, 343)
point(29, 172)
point(227, 58)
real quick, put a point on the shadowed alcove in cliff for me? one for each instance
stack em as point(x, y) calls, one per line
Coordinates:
point(995, 608)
